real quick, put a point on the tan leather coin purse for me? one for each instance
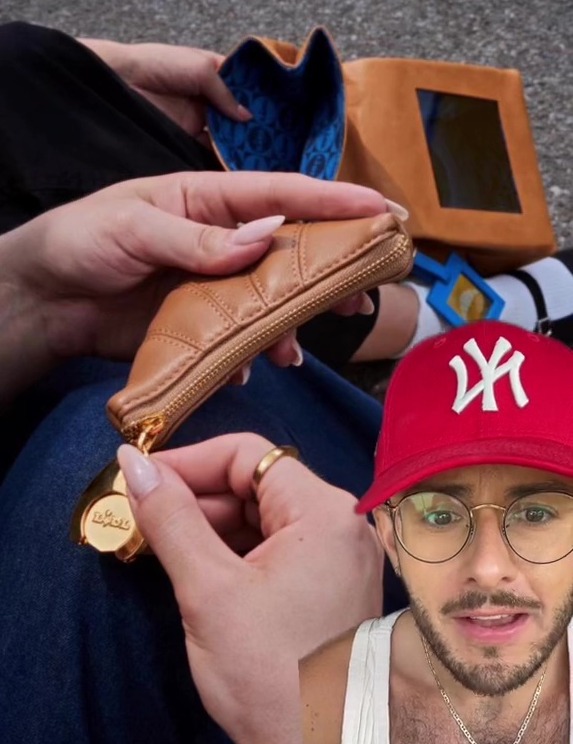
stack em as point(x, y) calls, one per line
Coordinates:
point(208, 328)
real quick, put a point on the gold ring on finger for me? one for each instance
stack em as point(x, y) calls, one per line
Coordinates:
point(268, 461)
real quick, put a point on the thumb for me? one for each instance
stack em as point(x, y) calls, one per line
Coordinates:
point(169, 517)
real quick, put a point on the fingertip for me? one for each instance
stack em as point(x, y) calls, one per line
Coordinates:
point(366, 306)
point(397, 209)
point(243, 113)
point(141, 473)
point(221, 96)
point(242, 376)
point(257, 230)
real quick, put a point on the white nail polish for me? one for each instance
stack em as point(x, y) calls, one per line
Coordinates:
point(140, 472)
point(397, 209)
point(252, 232)
point(299, 358)
point(244, 375)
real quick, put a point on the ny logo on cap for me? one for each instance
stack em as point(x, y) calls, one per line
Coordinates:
point(491, 371)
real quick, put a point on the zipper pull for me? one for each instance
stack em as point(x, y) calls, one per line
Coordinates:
point(149, 429)
point(103, 518)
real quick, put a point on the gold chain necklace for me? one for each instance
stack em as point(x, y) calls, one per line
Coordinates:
point(457, 718)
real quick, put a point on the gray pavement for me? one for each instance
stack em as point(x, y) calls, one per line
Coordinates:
point(535, 36)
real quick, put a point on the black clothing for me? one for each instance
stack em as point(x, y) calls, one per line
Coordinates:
point(70, 126)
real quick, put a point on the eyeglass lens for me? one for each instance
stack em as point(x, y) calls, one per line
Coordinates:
point(434, 527)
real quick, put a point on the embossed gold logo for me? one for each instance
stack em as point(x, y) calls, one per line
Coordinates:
point(108, 524)
point(108, 519)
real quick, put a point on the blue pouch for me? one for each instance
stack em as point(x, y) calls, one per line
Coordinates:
point(298, 105)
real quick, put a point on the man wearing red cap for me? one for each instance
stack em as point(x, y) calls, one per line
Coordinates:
point(473, 503)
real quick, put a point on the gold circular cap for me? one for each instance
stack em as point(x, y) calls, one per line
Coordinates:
point(108, 523)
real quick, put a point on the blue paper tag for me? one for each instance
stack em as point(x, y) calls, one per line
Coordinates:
point(459, 294)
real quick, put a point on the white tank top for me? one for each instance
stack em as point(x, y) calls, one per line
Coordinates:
point(366, 706)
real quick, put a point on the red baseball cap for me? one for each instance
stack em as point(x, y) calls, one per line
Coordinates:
point(485, 393)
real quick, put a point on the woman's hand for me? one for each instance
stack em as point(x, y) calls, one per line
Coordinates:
point(88, 277)
point(249, 619)
point(178, 80)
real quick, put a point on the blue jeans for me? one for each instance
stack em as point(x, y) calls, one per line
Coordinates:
point(91, 650)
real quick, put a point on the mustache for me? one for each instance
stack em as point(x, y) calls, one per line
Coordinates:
point(475, 600)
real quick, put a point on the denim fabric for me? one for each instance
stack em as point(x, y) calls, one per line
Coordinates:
point(91, 650)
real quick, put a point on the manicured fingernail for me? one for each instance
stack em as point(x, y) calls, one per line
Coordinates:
point(298, 356)
point(141, 473)
point(397, 209)
point(252, 232)
point(243, 375)
point(367, 307)
point(243, 113)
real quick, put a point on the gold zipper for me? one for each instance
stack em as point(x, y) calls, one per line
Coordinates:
point(146, 431)
point(149, 429)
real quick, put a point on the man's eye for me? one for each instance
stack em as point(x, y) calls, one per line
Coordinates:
point(441, 518)
point(533, 515)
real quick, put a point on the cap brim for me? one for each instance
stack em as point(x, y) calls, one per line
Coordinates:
point(541, 454)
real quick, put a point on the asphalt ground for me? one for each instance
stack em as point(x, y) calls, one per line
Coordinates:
point(534, 36)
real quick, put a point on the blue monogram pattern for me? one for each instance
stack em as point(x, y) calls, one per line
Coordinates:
point(298, 122)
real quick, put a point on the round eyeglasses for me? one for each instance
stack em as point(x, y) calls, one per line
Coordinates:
point(434, 527)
